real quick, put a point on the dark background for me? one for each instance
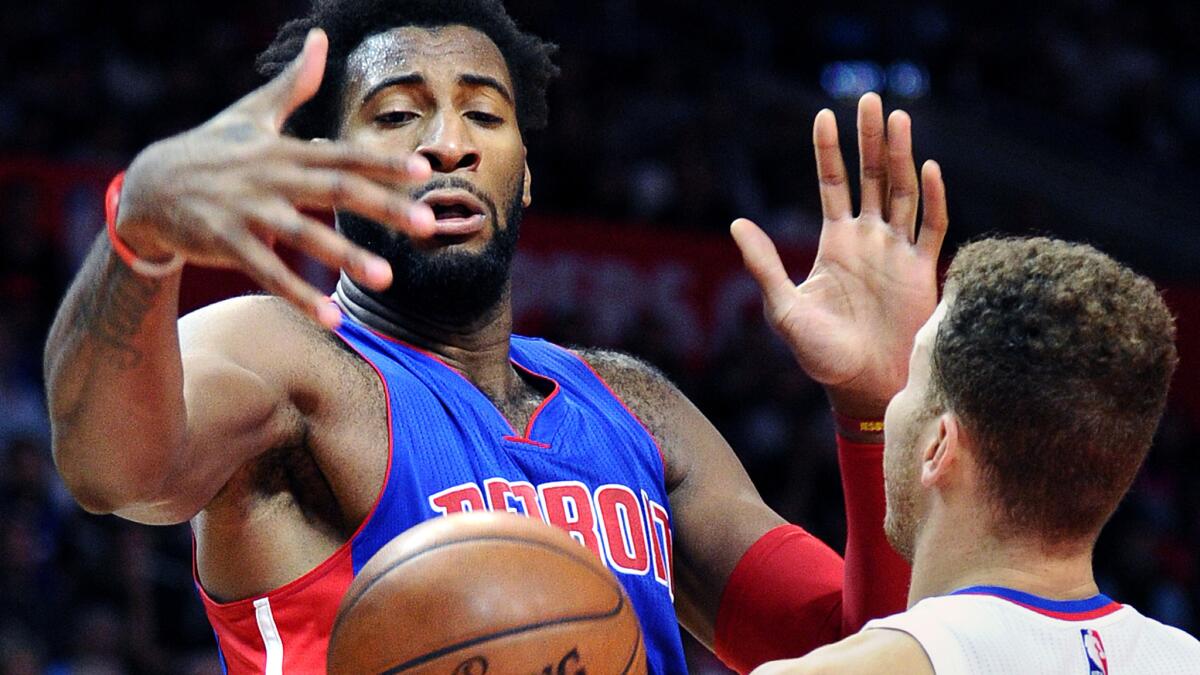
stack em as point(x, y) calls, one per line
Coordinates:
point(1080, 119)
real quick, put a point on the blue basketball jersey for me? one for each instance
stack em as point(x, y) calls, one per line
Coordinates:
point(584, 463)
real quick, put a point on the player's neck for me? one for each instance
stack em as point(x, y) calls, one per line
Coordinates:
point(950, 556)
point(478, 349)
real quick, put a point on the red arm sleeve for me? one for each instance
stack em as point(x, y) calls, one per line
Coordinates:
point(783, 599)
point(876, 576)
point(790, 593)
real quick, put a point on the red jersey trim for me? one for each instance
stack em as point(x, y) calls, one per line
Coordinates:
point(1067, 610)
point(309, 578)
point(1072, 616)
point(528, 441)
point(526, 438)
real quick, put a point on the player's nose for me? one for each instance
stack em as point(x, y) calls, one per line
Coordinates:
point(448, 146)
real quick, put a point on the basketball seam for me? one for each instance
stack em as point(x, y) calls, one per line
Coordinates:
point(636, 645)
point(351, 602)
point(396, 563)
point(450, 649)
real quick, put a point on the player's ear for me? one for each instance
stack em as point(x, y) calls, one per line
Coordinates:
point(941, 456)
point(527, 195)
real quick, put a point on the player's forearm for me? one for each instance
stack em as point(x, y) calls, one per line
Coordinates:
point(876, 577)
point(114, 382)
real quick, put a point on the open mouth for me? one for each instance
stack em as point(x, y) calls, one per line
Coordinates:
point(452, 211)
point(457, 213)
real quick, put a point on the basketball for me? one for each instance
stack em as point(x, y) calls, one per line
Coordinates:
point(494, 593)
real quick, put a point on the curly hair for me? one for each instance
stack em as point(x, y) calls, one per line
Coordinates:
point(1058, 360)
point(349, 22)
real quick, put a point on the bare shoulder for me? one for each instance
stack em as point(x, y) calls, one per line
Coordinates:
point(268, 352)
point(648, 393)
point(261, 333)
point(878, 651)
point(641, 385)
point(243, 322)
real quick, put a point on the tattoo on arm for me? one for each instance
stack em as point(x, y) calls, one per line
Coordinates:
point(97, 340)
point(113, 304)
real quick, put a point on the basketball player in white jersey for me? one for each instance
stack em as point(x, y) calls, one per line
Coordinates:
point(1033, 393)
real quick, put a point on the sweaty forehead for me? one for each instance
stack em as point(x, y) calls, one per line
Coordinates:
point(414, 49)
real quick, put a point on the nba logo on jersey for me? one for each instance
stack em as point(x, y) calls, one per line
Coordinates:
point(1093, 649)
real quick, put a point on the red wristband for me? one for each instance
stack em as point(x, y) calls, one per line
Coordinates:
point(112, 200)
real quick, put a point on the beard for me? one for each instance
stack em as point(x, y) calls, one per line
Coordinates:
point(902, 485)
point(448, 287)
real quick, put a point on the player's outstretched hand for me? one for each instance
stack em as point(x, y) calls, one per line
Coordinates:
point(220, 194)
point(852, 322)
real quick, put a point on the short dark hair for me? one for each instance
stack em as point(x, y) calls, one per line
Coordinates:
point(1057, 359)
point(349, 22)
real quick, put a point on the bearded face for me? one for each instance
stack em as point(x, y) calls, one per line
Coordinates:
point(902, 481)
point(446, 284)
point(911, 426)
point(444, 93)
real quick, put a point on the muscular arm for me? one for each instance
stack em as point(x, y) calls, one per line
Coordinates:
point(114, 383)
point(790, 593)
point(716, 511)
point(719, 515)
point(150, 419)
point(133, 434)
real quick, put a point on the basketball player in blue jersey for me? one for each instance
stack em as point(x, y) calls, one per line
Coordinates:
point(297, 448)
point(1033, 394)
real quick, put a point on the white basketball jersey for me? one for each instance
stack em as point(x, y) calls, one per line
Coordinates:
point(987, 630)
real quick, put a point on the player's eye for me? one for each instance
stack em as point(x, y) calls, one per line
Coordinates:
point(395, 118)
point(486, 119)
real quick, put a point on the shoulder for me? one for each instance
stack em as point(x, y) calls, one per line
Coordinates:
point(244, 319)
point(1168, 634)
point(265, 338)
point(649, 395)
point(631, 378)
point(870, 652)
point(253, 330)
point(644, 389)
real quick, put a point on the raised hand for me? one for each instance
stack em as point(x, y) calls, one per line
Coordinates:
point(852, 322)
point(220, 194)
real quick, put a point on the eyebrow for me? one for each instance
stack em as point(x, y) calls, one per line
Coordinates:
point(414, 79)
point(474, 80)
point(408, 80)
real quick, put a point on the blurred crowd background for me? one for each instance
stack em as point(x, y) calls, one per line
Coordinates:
point(1077, 118)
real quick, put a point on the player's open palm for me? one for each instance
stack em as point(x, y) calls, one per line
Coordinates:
point(852, 322)
point(221, 194)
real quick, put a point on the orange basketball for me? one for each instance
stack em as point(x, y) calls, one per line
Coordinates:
point(491, 593)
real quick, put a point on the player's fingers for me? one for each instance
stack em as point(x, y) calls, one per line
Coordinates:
point(348, 157)
point(276, 100)
point(936, 218)
point(283, 223)
point(343, 190)
point(902, 184)
point(762, 260)
point(872, 153)
point(262, 265)
point(831, 170)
